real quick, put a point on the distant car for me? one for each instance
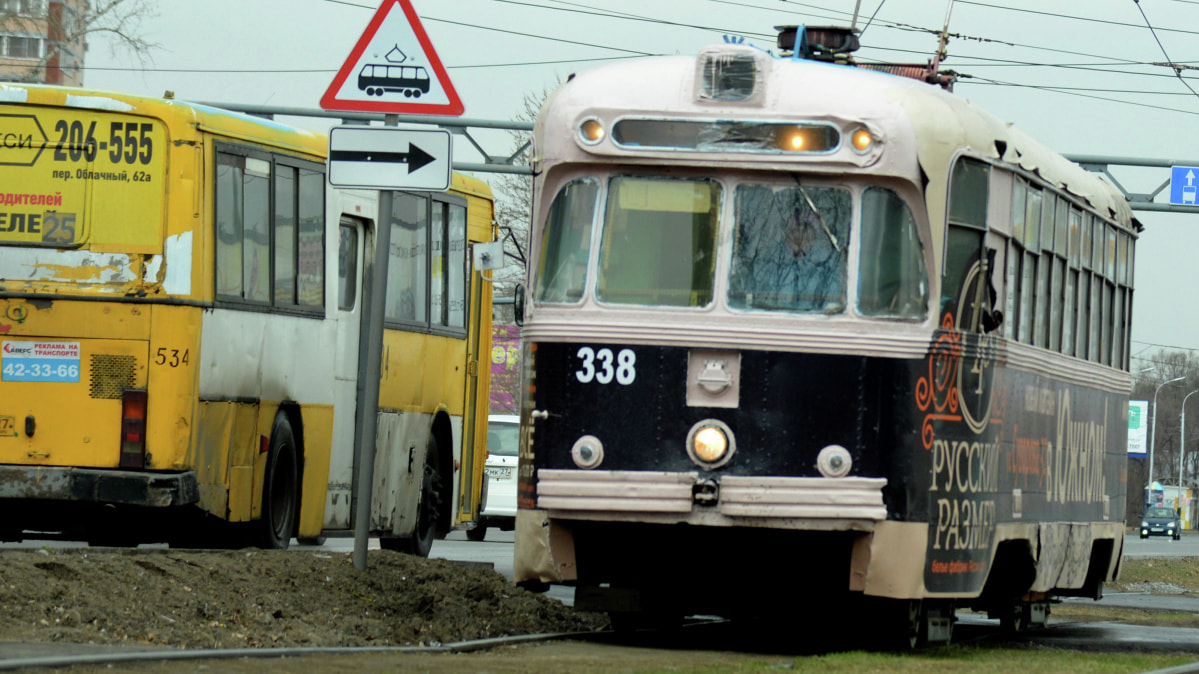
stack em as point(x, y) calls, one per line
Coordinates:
point(499, 508)
point(1161, 522)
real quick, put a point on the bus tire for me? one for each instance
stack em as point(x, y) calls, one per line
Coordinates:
point(478, 533)
point(279, 488)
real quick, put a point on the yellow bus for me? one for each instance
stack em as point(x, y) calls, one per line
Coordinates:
point(181, 297)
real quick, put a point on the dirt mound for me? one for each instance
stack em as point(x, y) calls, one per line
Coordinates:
point(250, 598)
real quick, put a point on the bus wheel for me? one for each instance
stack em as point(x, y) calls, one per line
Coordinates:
point(279, 489)
point(478, 533)
point(421, 540)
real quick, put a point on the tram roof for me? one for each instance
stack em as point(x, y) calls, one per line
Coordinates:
point(914, 115)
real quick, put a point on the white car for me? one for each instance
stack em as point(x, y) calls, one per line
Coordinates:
point(499, 505)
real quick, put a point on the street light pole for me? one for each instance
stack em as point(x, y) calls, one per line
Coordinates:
point(1153, 435)
point(1182, 444)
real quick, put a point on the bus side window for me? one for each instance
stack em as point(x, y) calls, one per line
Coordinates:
point(347, 268)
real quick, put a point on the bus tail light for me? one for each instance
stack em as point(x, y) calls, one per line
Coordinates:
point(133, 429)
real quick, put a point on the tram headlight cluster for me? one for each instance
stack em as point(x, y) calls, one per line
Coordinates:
point(710, 443)
point(805, 137)
point(861, 139)
point(591, 130)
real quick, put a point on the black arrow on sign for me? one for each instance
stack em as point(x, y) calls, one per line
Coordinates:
point(415, 157)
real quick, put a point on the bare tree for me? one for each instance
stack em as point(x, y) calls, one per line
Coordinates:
point(1152, 375)
point(514, 204)
point(68, 27)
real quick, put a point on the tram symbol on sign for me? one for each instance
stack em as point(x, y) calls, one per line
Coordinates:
point(393, 77)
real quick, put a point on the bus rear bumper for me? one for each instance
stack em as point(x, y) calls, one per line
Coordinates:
point(89, 485)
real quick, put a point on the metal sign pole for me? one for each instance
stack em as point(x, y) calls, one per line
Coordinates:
point(370, 358)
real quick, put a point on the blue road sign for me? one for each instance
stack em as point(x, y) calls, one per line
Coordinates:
point(1184, 185)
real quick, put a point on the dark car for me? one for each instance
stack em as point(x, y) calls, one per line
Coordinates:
point(1161, 522)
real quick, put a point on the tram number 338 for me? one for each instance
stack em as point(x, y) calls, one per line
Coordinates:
point(602, 366)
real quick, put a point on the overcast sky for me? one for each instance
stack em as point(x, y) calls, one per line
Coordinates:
point(1080, 85)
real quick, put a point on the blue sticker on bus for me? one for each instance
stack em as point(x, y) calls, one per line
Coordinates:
point(39, 361)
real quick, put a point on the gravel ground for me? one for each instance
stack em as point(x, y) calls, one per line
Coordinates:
point(257, 598)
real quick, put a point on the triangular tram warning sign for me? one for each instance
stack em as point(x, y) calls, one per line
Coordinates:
point(393, 69)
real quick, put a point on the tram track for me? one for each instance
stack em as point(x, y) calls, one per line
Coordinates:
point(109, 657)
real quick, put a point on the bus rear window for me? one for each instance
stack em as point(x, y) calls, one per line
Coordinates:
point(659, 242)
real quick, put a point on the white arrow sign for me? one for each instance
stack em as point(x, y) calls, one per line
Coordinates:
point(388, 158)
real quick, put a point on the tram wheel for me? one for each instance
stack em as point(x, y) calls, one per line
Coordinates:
point(280, 499)
point(911, 628)
point(1016, 620)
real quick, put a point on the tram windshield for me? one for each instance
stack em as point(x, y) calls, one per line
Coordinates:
point(790, 248)
point(790, 244)
point(659, 242)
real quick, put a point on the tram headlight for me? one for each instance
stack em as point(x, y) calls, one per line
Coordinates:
point(804, 137)
point(710, 443)
point(591, 131)
point(861, 139)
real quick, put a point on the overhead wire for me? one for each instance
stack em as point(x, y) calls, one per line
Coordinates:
point(1177, 70)
point(959, 60)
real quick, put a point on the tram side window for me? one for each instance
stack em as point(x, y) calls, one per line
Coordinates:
point(966, 288)
point(566, 243)
point(1028, 280)
point(659, 242)
point(1015, 308)
point(1083, 331)
point(892, 279)
point(790, 248)
point(1071, 289)
point(256, 233)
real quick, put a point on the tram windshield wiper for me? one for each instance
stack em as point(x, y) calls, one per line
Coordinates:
point(824, 225)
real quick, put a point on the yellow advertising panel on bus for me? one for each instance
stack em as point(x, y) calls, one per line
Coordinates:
point(66, 169)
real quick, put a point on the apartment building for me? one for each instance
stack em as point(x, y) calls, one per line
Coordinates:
point(42, 41)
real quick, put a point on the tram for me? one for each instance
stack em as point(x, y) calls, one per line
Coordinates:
point(802, 337)
point(377, 79)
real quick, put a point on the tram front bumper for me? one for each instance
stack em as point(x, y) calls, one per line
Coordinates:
point(845, 503)
point(90, 485)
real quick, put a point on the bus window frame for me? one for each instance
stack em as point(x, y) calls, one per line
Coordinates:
point(275, 160)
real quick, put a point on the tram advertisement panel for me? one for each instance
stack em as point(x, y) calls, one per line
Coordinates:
point(69, 170)
point(1039, 450)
